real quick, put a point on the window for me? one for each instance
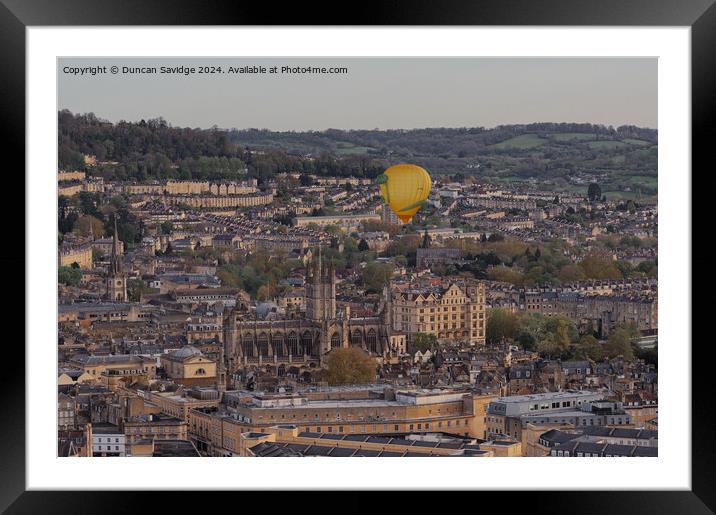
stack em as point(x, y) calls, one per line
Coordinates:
point(335, 341)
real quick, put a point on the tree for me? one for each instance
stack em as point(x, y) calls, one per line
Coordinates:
point(424, 341)
point(588, 347)
point(549, 347)
point(501, 324)
point(556, 335)
point(570, 273)
point(363, 246)
point(349, 366)
point(266, 292)
point(167, 227)
point(66, 224)
point(505, 274)
point(375, 276)
point(89, 225)
point(529, 330)
point(69, 275)
point(135, 289)
point(594, 192)
point(650, 356)
point(619, 344)
point(597, 266)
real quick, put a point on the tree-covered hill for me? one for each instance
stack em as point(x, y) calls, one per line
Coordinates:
point(625, 158)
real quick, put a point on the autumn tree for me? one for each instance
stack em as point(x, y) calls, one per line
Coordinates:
point(87, 225)
point(599, 266)
point(505, 274)
point(571, 273)
point(349, 366)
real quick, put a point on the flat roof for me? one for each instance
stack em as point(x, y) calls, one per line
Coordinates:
point(547, 396)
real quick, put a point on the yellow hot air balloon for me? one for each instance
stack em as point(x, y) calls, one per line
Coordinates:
point(404, 188)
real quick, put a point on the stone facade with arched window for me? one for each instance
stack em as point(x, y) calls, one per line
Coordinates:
point(306, 340)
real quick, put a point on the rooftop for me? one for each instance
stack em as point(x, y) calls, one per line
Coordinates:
point(175, 448)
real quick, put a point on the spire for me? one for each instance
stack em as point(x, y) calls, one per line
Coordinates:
point(115, 263)
point(320, 259)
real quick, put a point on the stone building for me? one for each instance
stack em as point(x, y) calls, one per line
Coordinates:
point(219, 201)
point(188, 366)
point(451, 312)
point(80, 254)
point(336, 411)
point(295, 338)
point(428, 257)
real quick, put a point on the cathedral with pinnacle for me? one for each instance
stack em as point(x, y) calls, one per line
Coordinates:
point(311, 337)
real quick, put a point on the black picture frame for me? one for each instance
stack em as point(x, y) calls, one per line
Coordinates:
point(16, 15)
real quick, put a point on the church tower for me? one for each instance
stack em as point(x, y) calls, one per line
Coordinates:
point(321, 290)
point(116, 281)
point(221, 372)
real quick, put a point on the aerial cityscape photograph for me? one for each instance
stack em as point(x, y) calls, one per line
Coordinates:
point(357, 257)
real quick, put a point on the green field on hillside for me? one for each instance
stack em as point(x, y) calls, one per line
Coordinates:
point(522, 142)
point(638, 142)
point(606, 144)
point(345, 148)
point(573, 136)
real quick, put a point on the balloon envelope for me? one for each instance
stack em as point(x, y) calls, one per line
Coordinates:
point(405, 188)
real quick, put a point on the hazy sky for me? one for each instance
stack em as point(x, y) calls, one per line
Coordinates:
point(383, 93)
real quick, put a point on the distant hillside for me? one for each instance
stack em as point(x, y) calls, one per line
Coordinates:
point(455, 142)
point(563, 155)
